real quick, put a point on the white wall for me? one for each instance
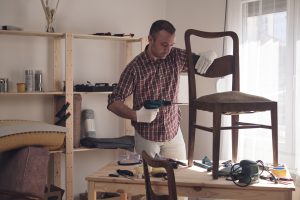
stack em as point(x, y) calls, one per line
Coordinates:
point(116, 16)
point(93, 61)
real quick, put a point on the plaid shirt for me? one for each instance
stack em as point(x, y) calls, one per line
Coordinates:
point(147, 79)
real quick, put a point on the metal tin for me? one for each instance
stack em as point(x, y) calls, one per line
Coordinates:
point(29, 81)
point(38, 80)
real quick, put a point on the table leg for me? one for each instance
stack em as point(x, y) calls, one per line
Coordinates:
point(123, 196)
point(91, 191)
point(288, 195)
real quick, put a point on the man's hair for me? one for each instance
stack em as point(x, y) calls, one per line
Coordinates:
point(161, 25)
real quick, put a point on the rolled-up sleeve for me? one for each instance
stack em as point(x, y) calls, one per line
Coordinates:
point(125, 86)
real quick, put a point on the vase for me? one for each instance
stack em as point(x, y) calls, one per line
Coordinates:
point(50, 26)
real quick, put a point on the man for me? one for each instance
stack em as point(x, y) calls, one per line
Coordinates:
point(154, 75)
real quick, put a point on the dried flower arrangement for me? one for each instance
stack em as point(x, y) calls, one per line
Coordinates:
point(49, 13)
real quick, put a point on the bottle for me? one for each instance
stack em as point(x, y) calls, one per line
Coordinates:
point(29, 80)
point(38, 80)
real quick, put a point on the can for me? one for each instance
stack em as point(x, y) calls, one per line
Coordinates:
point(3, 85)
point(89, 122)
point(38, 80)
point(21, 87)
point(29, 80)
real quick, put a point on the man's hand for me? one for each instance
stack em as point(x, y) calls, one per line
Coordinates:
point(146, 115)
point(205, 60)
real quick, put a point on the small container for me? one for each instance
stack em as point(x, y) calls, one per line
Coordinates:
point(21, 87)
point(89, 123)
point(3, 85)
point(38, 81)
point(29, 80)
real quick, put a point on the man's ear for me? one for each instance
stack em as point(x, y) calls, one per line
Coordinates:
point(150, 39)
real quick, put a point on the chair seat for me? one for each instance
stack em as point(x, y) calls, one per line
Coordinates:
point(233, 102)
point(231, 97)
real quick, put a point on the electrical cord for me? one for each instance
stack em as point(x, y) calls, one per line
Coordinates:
point(272, 178)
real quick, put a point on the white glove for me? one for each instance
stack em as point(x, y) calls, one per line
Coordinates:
point(205, 60)
point(146, 115)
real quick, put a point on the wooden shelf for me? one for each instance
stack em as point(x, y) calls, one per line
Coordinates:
point(80, 149)
point(56, 151)
point(32, 33)
point(32, 93)
point(110, 38)
point(92, 93)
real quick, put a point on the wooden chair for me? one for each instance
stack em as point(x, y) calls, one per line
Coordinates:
point(233, 102)
point(147, 160)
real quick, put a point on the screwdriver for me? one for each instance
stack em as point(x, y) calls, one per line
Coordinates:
point(153, 104)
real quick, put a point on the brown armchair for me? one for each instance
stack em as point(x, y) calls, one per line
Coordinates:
point(232, 103)
point(147, 160)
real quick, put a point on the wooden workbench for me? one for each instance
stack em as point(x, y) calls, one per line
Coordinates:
point(190, 181)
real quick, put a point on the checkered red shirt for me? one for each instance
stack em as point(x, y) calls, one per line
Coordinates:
point(147, 79)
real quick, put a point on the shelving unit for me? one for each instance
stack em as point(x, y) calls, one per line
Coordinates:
point(54, 40)
point(69, 87)
point(56, 89)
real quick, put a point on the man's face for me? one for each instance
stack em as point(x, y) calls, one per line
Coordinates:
point(161, 45)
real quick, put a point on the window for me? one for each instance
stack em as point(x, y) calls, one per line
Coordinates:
point(269, 42)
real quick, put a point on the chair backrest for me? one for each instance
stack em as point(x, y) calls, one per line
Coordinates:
point(222, 66)
point(147, 160)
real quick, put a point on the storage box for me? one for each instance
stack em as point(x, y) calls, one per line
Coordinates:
point(279, 172)
point(24, 171)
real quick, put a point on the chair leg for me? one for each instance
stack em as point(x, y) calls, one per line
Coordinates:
point(235, 137)
point(191, 142)
point(274, 124)
point(216, 143)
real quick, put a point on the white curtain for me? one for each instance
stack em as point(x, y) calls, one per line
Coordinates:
point(269, 36)
point(296, 124)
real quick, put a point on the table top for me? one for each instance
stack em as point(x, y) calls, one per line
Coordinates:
point(186, 177)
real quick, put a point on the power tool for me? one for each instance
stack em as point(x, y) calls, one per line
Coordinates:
point(245, 173)
point(153, 104)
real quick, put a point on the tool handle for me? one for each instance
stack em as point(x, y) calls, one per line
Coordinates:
point(153, 104)
point(124, 172)
point(63, 119)
point(208, 168)
point(177, 161)
point(62, 111)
